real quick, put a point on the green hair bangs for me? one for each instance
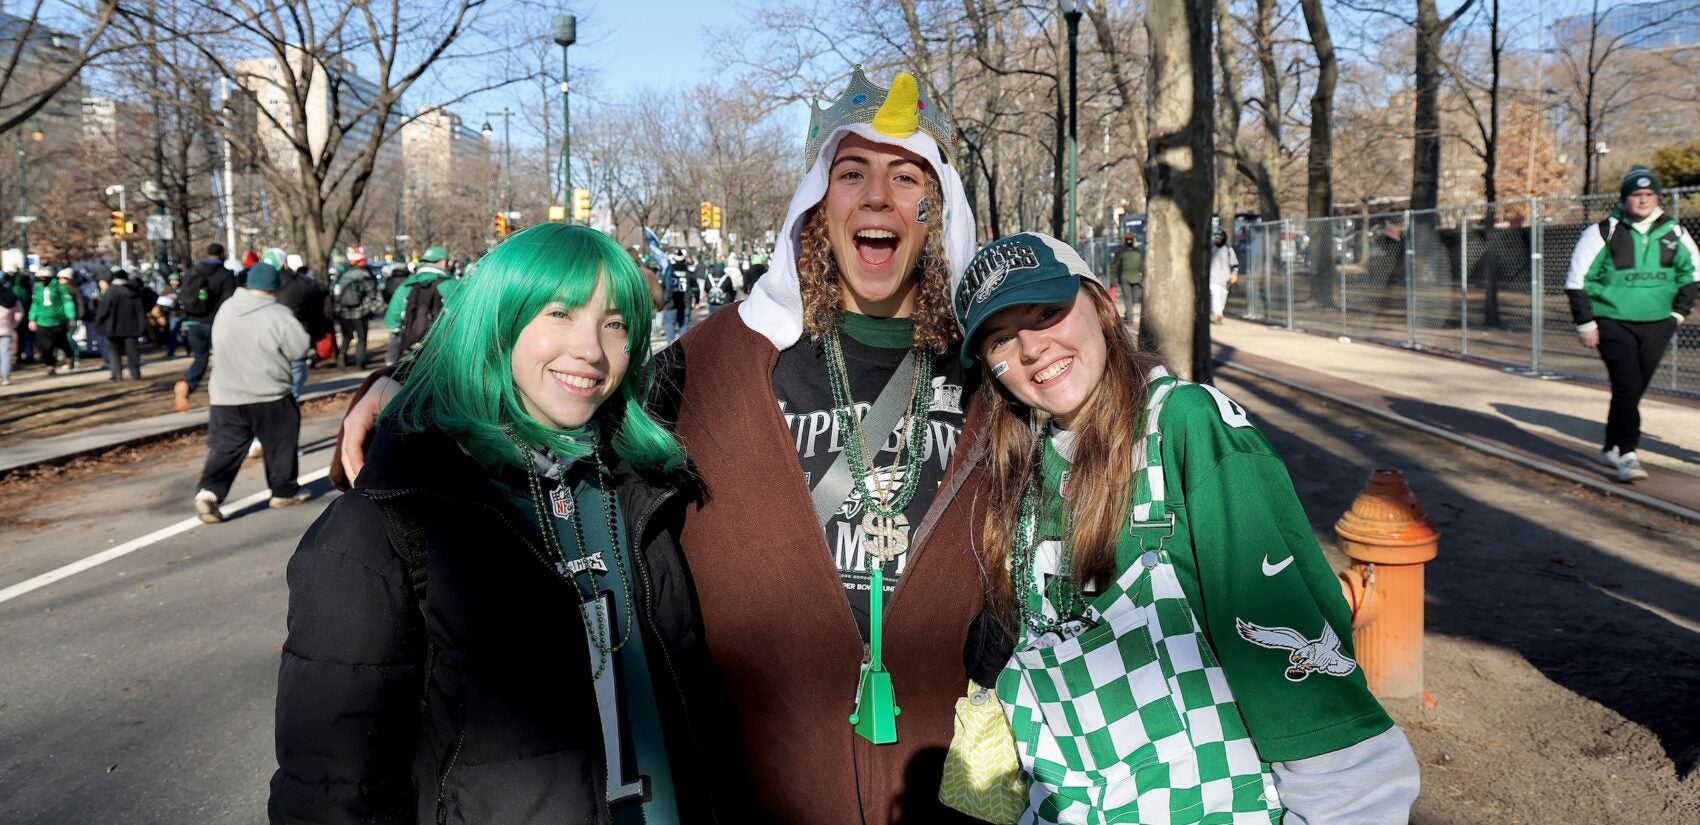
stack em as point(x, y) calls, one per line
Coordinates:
point(462, 379)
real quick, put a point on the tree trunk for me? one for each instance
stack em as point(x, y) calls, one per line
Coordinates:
point(1269, 178)
point(1177, 257)
point(1425, 121)
point(1490, 157)
point(1319, 172)
point(1228, 151)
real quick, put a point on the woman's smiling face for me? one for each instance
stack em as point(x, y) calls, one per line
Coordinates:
point(1049, 356)
point(566, 362)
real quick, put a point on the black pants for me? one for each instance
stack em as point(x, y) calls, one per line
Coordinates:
point(1632, 351)
point(351, 328)
point(50, 341)
point(199, 336)
point(230, 429)
point(124, 349)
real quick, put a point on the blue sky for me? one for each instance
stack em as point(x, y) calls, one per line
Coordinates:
point(653, 43)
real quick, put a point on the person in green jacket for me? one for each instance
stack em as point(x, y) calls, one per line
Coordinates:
point(1129, 267)
point(53, 312)
point(409, 318)
point(1631, 283)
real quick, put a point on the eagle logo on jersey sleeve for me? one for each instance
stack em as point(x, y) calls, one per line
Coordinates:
point(1306, 656)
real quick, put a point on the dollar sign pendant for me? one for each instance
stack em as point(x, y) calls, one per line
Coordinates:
point(885, 538)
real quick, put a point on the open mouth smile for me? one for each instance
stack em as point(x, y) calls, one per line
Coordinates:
point(875, 247)
point(581, 385)
point(1054, 371)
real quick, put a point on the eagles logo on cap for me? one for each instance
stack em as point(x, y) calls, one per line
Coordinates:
point(1643, 183)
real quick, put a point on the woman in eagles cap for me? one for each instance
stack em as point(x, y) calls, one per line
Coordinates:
point(1183, 651)
point(829, 421)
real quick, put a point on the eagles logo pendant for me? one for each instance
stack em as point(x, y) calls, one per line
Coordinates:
point(885, 538)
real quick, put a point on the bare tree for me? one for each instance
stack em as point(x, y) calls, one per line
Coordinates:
point(1431, 29)
point(28, 85)
point(1484, 113)
point(1605, 75)
point(324, 121)
point(1319, 172)
point(1179, 173)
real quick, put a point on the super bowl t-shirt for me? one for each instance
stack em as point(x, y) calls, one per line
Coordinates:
point(873, 348)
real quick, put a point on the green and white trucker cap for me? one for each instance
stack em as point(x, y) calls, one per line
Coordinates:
point(1025, 268)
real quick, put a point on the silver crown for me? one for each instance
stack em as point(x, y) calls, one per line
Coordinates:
point(860, 102)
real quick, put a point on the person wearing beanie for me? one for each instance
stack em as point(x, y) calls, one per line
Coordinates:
point(1631, 283)
point(418, 301)
point(52, 314)
point(251, 393)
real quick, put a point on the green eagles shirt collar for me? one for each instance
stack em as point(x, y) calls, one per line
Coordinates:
point(884, 333)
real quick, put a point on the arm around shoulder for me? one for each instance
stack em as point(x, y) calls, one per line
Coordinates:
point(351, 679)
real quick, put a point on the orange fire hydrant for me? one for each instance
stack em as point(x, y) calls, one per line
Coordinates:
point(1388, 537)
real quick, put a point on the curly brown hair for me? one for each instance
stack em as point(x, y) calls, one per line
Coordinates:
point(820, 282)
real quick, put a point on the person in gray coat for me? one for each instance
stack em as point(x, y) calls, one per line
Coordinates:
point(251, 393)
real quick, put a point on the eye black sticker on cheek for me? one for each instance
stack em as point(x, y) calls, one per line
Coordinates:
point(923, 211)
point(1001, 368)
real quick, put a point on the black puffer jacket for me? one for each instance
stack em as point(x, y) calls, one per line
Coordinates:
point(476, 706)
point(122, 312)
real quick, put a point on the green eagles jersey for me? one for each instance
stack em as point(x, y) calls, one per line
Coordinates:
point(1619, 272)
point(1266, 598)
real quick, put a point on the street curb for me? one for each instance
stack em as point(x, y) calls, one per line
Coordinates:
point(1608, 488)
point(170, 431)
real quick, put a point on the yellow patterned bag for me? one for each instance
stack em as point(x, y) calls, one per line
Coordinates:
point(982, 773)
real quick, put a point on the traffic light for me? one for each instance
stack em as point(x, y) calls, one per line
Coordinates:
point(118, 225)
point(716, 224)
point(501, 225)
point(707, 213)
point(581, 204)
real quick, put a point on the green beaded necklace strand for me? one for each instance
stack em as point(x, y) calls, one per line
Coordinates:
point(598, 623)
point(883, 536)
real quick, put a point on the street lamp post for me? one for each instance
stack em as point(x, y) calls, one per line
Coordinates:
point(1071, 14)
point(507, 154)
point(566, 34)
point(23, 217)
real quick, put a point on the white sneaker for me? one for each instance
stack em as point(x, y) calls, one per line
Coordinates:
point(1609, 458)
point(254, 450)
point(206, 505)
point(1629, 468)
point(291, 501)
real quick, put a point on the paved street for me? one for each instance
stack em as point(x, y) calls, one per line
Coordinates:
point(141, 690)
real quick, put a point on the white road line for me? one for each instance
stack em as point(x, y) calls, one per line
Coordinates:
point(133, 545)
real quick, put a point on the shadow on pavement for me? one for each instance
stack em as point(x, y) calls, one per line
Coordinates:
point(1591, 431)
point(1522, 581)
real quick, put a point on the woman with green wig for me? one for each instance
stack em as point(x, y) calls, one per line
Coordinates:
point(495, 624)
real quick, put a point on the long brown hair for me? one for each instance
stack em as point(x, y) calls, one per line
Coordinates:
point(1101, 476)
point(819, 280)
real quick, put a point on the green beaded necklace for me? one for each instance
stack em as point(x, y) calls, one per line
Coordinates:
point(597, 621)
point(884, 536)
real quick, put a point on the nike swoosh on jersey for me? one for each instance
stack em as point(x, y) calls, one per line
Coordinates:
point(1272, 569)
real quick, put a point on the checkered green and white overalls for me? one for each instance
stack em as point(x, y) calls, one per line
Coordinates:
point(1132, 721)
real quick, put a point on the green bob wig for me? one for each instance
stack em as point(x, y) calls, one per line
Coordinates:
point(462, 381)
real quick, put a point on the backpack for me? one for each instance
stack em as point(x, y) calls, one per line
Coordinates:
point(424, 304)
point(192, 296)
point(351, 297)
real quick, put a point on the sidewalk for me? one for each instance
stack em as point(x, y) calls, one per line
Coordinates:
point(1553, 426)
point(58, 449)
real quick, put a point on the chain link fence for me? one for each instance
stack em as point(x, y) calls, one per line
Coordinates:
point(1484, 282)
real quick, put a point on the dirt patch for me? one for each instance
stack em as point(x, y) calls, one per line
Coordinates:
point(1563, 626)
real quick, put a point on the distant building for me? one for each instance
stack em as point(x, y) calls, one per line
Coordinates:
point(336, 95)
point(440, 152)
point(1661, 24)
point(46, 56)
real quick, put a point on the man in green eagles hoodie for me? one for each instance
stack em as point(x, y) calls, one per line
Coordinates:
point(409, 319)
point(1631, 283)
point(53, 313)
